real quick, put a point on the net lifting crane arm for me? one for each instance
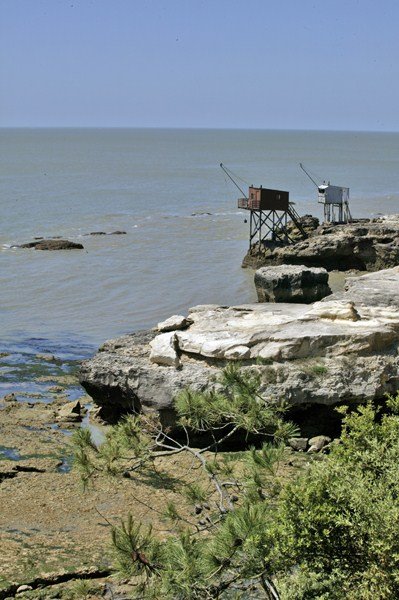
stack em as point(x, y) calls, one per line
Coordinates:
point(231, 178)
point(306, 173)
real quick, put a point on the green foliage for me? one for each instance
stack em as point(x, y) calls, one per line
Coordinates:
point(319, 370)
point(126, 442)
point(82, 588)
point(331, 533)
point(136, 550)
point(341, 519)
point(241, 406)
point(201, 410)
point(171, 512)
point(194, 492)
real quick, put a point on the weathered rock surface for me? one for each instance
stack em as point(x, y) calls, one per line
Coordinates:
point(336, 350)
point(70, 412)
point(317, 443)
point(299, 444)
point(53, 244)
point(174, 322)
point(291, 283)
point(367, 245)
point(372, 289)
point(308, 222)
point(164, 350)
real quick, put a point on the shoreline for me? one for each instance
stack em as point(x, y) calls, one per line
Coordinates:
point(47, 527)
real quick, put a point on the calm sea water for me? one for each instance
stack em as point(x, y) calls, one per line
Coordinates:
point(149, 183)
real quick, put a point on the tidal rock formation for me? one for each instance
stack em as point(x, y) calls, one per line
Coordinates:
point(367, 245)
point(342, 349)
point(53, 244)
point(291, 283)
point(309, 224)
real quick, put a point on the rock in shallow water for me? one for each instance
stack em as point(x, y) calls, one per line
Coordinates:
point(53, 245)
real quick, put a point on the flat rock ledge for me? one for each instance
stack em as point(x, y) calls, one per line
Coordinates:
point(343, 349)
point(291, 283)
point(364, 245)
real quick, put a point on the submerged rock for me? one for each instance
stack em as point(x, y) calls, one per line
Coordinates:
point(105, 233)
point(291, 283)
point(337, 350)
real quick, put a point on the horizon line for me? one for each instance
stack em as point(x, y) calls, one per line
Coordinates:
point(196, 128)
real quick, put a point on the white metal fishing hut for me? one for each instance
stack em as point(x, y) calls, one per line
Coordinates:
point(335, 200)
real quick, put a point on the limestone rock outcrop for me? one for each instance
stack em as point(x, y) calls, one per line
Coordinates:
point(291, 283)
point(367, 245)
point(344, 348)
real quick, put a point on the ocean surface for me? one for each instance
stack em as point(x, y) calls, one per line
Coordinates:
point(185, 237)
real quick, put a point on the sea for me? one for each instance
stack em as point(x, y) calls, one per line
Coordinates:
point(185, 238)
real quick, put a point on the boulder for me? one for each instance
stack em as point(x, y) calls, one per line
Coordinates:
point(163, 350)
point(24, 588)
point(316, 444)
point(291, 283)
point(53, 244)
point(299, 444)
point(70, 412)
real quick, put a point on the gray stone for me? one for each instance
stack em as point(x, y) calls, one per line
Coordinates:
point(163, 350)
point(174, 322)
point(70, 412)
point(316, 444)
point(24, 588)
point(373, 289)
point(299, 444)
point(291, 283)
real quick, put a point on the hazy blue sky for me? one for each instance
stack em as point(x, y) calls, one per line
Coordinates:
point(319, 64)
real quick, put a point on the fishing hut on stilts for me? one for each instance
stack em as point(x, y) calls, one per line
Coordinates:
point(335, 199)
point(269, 214)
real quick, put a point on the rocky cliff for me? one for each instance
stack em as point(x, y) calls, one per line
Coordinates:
point(368, 245)
point(342, 349)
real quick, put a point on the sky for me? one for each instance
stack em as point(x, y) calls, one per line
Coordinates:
point(248, 64)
